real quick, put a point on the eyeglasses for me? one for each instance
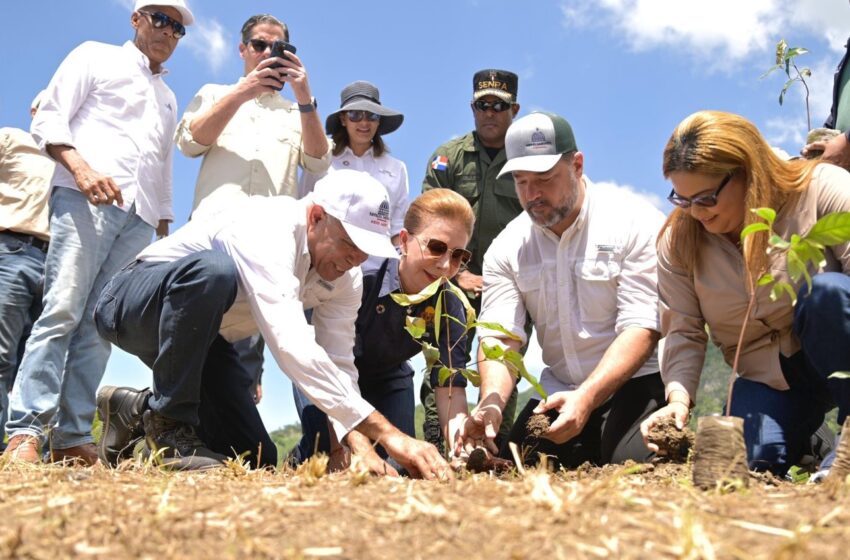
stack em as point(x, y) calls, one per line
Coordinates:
point(357, 116)
point(436, 249)
point(259, 45)
point(496, 106)
point(704, 200)
point(159, 20)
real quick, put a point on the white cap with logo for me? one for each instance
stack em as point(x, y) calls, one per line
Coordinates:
point(536, 142)
point(361, 203)
point(179, 5)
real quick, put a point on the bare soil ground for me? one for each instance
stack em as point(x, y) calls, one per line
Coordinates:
point(636, 511)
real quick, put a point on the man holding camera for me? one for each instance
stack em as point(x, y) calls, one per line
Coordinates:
point(252, 138)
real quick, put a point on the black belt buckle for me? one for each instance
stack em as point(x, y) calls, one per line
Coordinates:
point(39, 244)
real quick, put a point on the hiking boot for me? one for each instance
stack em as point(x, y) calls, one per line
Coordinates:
point(120, 410)
point(23, 448)
point(84, 455)
point(176, 445)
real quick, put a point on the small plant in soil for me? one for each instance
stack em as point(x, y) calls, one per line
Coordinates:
point(537, 425)
point(442, 320)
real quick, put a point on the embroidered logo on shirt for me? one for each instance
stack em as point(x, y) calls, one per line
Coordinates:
point(427, 314)
point(440, 163)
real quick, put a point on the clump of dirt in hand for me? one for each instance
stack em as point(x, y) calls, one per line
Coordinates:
point(537, 425)
point(673, 443)
point(478, 461)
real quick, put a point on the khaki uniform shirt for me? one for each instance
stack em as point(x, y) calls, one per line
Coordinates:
point(463, 165)
point(716, 294)
point(25, 174)
point(257, 153)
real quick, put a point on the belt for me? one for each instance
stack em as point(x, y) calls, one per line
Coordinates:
point(30, 239)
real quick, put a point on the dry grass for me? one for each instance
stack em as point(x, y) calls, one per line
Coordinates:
point(616, 512)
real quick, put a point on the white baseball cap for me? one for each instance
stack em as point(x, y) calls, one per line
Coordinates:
point(179, 5)
point(361, 203)
point(536, 142)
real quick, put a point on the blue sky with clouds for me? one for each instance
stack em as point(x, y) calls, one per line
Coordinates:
point(623, 72)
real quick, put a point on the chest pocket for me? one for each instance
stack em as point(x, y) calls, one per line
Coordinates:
point(529, 280)
point(466, 181)
point(596, 287)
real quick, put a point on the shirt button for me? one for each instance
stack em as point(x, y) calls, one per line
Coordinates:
point(346, 163)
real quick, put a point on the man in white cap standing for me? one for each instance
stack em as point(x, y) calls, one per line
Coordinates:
point(108, 119)
point(188, 297)
point(581, 261)
point(25, 174)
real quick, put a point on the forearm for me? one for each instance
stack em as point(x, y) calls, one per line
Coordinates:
point(451, 405)
point(621, 361)
point(497, 382)
point(375, 427)
point(68, 157)
point(315, 142)
point(206, 127)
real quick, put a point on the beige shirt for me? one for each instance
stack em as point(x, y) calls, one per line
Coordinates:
point(25, 174)
point(257, 153)
point(716, 295)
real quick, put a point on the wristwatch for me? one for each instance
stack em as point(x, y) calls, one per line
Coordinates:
point(308, 107)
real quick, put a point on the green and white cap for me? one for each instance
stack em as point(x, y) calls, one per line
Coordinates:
point(536, 141)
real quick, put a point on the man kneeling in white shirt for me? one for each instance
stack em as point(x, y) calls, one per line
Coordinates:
point(226, 277)
point(581, 261)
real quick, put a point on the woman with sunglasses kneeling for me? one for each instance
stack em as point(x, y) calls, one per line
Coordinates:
point(436, 231)
point(721, 167)
point(357, 129)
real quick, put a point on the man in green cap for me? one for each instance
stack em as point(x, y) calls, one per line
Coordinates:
point(581, 262)
point(470, 166)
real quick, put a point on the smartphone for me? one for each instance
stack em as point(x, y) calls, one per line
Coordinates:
point(279, 49)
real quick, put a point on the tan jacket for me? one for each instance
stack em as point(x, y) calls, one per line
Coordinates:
point(716, 295)
point(25, 174)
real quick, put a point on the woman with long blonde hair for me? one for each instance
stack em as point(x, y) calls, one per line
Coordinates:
point(720, 168)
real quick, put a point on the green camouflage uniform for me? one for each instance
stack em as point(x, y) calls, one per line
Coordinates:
point(470, 172)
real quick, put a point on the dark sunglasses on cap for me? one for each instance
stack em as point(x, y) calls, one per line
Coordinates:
point(704, 200)
point(159, 20)
point(357, 116)
point(436, 249)
point(496, 106)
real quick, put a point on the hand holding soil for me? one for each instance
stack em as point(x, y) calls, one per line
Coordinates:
point(673, 444)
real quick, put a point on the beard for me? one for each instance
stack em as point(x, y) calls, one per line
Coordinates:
point(545, 215)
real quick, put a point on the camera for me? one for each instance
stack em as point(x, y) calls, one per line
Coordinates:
point(279, 49)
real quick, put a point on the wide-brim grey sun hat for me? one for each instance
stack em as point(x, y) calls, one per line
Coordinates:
point(364, 96)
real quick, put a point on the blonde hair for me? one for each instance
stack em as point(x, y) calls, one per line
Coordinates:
point(718, 143)
point(439, 203)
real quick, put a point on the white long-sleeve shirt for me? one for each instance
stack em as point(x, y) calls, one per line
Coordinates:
point(105, 102)
point(581, 289)
point(267, 240)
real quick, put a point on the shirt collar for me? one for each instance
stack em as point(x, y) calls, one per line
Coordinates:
point(391, 281)
point(142, 59)
point(349, 152)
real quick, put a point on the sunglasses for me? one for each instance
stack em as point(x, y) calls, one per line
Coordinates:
point(160, 20)
point(496, 106)
point(259, 45)
point(436, 249)
point(357, 116)
point(704, 200)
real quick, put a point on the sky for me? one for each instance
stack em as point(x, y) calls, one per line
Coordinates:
point(622, 72)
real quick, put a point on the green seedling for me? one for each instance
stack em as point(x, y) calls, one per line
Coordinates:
point(786, 61)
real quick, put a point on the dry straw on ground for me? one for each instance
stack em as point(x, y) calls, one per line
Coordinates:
point(640, 511)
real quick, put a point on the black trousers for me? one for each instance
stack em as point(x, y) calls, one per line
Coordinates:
point(168, 314)
point(611, 435)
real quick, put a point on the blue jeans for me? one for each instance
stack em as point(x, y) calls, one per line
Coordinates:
point(778, 424)
point(21, 287)
point(168, 314)
point(65, 359)
point(391, 395)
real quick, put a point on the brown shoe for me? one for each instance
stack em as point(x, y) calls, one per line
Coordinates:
point(81, 455)
point(24, 448)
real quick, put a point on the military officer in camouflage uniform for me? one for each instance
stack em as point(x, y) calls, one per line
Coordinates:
point(470, 165)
